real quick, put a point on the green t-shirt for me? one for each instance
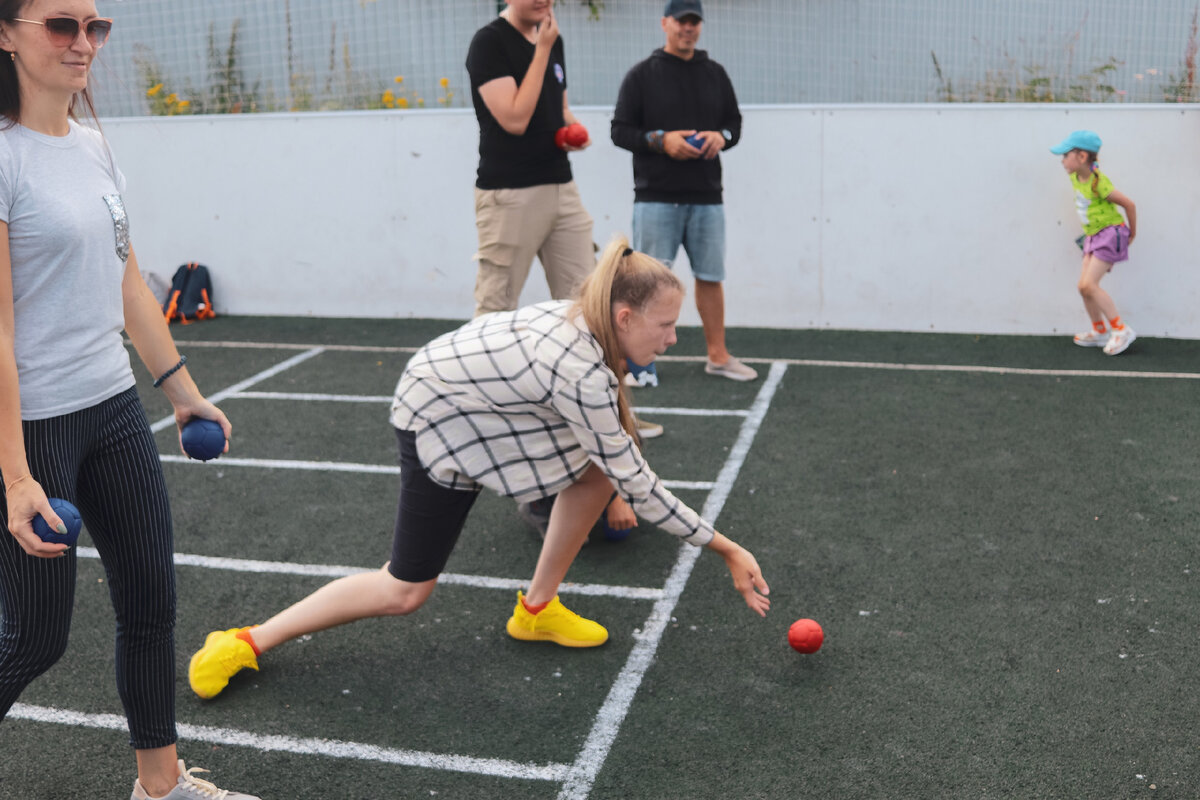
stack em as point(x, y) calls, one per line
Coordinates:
point(1096, 212)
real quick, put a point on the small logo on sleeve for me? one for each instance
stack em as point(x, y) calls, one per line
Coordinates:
point(558, 73)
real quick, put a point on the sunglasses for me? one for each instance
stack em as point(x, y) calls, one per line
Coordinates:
point(63, 31)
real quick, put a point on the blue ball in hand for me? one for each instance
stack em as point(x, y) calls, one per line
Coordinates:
point(203, 439)
point(696, 140)
point(69, 514)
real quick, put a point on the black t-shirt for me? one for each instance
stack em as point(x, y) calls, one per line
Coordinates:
point(505, 161)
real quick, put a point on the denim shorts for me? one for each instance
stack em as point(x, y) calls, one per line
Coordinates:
point(660, 228)
point(1110, 244)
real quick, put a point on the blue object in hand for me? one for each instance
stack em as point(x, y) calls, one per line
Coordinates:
point(696, 140)
point(69, 514)
point(203, 439)
point(611, 533)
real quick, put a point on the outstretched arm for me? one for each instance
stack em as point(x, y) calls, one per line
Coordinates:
point(747, 576)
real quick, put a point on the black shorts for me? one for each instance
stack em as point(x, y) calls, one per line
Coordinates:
point(429, 518)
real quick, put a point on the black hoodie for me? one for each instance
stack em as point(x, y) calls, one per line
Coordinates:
point(665, 92)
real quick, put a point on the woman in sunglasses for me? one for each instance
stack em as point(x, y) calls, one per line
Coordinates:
point(71, 423)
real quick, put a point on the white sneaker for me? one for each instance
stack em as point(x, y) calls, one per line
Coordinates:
point(1091, 339)
point(647, 377)
point(733, 369)
point(190, 787)
point(1119, 341)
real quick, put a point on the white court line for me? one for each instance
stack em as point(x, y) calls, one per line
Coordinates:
point(446, 578)
point(1052, 373)
point(796, 362)
point(315, 397)
point(382, 400)
point(612, 713)
point(275, 463)
point(341, 348)
point(331, 748)
point(169, 420)
point(347, 466)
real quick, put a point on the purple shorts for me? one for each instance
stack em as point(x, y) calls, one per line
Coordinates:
point(1110, 244)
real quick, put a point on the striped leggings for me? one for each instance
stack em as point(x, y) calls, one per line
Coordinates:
point(104, 460)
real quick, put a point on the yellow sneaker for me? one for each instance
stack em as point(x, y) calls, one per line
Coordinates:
point(555, 623)
point(223, 656)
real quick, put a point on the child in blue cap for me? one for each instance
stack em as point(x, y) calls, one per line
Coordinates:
point(1106, 239)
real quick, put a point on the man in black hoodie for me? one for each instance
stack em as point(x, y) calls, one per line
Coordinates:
point(676, 112)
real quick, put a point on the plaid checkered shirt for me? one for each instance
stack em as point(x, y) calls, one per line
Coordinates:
point(521, 402)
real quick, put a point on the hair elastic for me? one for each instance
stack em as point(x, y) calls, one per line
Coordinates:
point(170, 372)
point(628, 252)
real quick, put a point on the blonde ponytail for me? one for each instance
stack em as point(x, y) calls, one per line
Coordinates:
point(621, 276)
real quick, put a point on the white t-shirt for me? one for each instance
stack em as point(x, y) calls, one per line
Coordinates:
point(68, 240)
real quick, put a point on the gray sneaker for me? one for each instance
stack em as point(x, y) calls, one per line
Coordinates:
point(190, 787)
point(733, 369)
point(537, 514)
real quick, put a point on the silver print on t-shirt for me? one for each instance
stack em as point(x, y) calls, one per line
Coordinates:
point(116, 207)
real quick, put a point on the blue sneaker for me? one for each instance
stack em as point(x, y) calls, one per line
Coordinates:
point(639, 375)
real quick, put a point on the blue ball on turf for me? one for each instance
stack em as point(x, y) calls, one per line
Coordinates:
point(696, 140)
point(203, 439)
point(611, 533)
point(69, 514)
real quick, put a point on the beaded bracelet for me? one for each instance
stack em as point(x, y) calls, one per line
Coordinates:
point(170, 372)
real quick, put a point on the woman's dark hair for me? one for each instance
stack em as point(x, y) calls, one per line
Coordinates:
point(10, 90)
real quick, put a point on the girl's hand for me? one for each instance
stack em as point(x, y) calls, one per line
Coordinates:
point(199, 407)
point(26, 500)
point(620, 516)
point(747, 577)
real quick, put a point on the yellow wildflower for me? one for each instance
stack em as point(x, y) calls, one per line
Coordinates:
point(402, 102)
point(172, 98)
point(153, 90)
point(389, 96)
point(399, 79)
point(184, 104)
point(444, 82)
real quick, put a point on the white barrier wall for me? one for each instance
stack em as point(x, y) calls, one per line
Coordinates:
point(911, 217)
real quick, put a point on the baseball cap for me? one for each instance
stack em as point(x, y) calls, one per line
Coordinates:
point(682, 8)
point(1078, 140)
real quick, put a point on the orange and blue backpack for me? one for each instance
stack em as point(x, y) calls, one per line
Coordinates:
point(190, 297)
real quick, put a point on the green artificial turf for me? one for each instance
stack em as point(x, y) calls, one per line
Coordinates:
point(1002, 563)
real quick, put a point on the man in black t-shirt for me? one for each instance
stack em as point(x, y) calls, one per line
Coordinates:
point(526, 202)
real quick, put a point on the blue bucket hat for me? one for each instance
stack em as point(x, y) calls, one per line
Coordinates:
point(1078, 140)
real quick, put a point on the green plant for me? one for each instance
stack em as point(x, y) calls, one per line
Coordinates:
point(161, 101)
point(227, 91)
point(1182, 89)
point(1031, 84)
